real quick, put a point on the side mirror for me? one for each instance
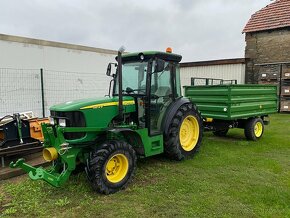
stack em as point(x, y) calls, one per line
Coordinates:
point(109, 69)
point(159, 66)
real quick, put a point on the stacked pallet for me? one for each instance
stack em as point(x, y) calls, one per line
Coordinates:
point(277, 74)
point(285, 89)
point(269, 75)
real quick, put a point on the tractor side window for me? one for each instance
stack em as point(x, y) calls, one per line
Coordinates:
point(178, 85)
point(160, 83)
point(161, 92)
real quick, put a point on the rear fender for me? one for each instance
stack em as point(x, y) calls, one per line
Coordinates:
point(171, 111)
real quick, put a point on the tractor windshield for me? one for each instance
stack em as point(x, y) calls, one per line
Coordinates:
point(134, 78)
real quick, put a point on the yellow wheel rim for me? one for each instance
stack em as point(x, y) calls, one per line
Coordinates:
point(258, 129)
point(117, 168)
point(189, 133)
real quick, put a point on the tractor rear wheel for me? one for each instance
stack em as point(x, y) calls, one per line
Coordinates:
point(184, 134)
point(111, 166)
point(254, 129)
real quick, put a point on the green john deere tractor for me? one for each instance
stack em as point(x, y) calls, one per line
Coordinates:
point(144, 115)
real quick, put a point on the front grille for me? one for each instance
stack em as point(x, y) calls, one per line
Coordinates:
point(73, 119)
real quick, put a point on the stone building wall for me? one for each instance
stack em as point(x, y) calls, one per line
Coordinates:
point(265, 47)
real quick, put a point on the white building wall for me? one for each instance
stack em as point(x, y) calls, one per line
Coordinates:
point(70, 72)
point(224, 71)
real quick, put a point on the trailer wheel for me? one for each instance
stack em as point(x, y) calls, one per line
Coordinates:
point(254, 129)
point(221, 133)
point(184, 134)
point(111, 166)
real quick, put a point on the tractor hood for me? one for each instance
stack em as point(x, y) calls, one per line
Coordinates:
point(91, 103)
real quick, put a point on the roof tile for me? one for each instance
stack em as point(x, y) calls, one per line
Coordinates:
point(273, 16)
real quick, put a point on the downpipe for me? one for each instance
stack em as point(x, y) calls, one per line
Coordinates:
point(119, 60)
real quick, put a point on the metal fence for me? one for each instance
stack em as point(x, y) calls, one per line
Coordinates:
point(36, 89)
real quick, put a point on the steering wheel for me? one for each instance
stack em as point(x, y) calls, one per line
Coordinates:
point(154, 97)
point(130, 90)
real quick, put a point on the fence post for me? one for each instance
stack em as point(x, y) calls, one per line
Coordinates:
point(42, 92)
point(207, 81)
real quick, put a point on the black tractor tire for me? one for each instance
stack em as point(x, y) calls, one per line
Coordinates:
point(254, 129)
point(173, 146)
point(111, 166)
point(221, 133)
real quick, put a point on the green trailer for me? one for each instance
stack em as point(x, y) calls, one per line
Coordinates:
point(234, 106)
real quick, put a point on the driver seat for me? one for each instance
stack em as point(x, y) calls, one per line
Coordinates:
point(162, 91)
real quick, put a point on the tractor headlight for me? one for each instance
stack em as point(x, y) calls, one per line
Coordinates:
point(62, 122)
point(51, 120)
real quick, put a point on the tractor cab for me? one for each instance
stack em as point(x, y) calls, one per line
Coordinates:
point(152, 79)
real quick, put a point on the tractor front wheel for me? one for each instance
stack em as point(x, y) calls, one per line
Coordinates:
point(184, 134)
point(111, 166)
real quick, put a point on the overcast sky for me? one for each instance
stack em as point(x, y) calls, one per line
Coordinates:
point(196, 29)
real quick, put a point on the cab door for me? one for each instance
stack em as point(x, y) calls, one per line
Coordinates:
point(161, 96)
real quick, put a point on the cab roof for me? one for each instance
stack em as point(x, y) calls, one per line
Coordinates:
point(135, 56)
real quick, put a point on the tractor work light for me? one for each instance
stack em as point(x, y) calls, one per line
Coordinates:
point(141, 56)
point(169, 50)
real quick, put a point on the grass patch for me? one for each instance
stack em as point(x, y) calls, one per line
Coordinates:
point(228, 177)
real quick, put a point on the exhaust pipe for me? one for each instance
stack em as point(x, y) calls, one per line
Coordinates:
point(119, 59)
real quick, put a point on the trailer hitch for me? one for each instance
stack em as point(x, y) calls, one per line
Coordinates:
point(57, 151)
point(54, 179)
point(20, 163)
